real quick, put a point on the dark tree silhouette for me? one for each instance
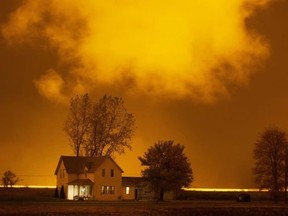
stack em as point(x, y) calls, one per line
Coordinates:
point(9, 179)
point(56, 193)
point(270, 156)
point(77, 123)
point(100, 130)
point(168, 169)
point(62, 193)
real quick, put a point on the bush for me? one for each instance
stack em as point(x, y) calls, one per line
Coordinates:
point(62, 193)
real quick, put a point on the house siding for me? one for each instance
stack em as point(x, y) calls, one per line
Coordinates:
point(107, 180)
point(62, 178)
point(112, 179)
point(130, 195)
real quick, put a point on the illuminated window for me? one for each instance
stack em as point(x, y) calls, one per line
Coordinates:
point(108, 190)
point(112, 190)
point(103, 172)
point(127, 190)
point(112, 173)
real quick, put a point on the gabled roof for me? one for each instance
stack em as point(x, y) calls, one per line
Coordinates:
point(76, 165)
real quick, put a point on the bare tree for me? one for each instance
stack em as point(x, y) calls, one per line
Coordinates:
point(9, 179)
point(77, 122)
point(100, 130)
point(167, 167)
point(111, 127)
point(270, 154)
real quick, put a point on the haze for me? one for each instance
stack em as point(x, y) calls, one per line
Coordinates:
point(210, 75)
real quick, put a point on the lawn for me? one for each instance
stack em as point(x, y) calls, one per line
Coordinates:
point(27, 201)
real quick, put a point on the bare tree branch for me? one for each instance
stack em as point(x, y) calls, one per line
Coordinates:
point(78, 121)
point(103, 129)
point(270, 155)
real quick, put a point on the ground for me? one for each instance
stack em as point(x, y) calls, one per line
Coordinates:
point(26, 201)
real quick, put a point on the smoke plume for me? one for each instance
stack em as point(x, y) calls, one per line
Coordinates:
point(183, 48)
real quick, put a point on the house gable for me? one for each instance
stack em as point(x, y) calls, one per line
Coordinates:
point(108, 181)
point(77, 165)
point(86, 173)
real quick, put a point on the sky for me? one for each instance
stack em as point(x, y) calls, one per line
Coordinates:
point(210, 75)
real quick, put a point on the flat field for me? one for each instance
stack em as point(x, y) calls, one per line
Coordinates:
point(27, 201)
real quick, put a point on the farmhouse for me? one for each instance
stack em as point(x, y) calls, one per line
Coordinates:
point(98, 178)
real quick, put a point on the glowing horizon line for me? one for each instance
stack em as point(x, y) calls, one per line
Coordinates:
point(29, 186)
point(225, 189)
point(186, 189)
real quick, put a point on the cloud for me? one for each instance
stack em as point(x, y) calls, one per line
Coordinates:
point(51, 85)
point(183, 48)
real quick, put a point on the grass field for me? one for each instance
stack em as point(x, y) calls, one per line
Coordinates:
point(27, 201)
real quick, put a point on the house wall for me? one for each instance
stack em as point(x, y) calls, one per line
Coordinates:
point(138, 193)
point(107, 180)
point(143, 193)
point(131, 193)
point(62, 179)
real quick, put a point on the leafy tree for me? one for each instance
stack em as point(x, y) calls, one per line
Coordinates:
point(167, 167)
point(9, 179)
point(77, 123)
point(270, 156)
point(101, 129)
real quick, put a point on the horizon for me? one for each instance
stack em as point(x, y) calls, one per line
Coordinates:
point(186, 189)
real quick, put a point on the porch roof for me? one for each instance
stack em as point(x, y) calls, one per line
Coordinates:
point(81, 182)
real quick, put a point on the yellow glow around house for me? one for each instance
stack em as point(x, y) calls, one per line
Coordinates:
point(184, 48)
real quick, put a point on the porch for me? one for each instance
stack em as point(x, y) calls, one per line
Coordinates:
point(80, 189)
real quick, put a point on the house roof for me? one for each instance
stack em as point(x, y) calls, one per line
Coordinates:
point(133, 181)
point(76, 165)
point(81, 182)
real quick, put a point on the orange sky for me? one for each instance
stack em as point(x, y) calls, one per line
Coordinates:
point(210, 75)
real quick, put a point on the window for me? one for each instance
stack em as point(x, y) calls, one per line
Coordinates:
point(103, 172)
point(112, 173)
point(108, 190)
point(127, 190)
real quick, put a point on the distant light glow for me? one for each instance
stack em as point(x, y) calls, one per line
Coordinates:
point(225, 189)
point(31, 186)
